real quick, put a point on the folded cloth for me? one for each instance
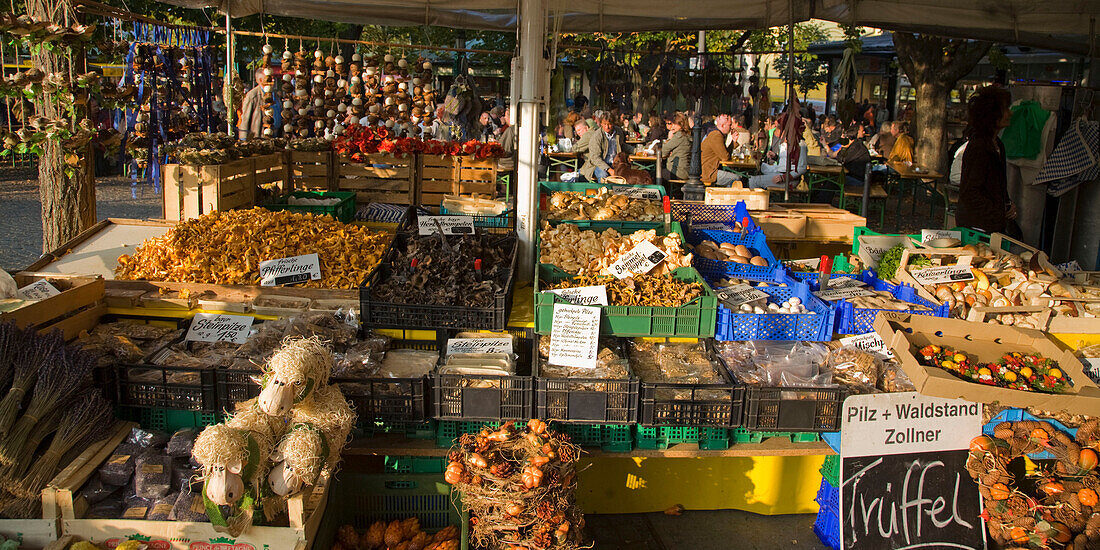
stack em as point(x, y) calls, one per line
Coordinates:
point(1074, 160)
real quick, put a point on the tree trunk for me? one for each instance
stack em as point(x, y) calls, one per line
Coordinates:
point(930, 121)
point(59, 193)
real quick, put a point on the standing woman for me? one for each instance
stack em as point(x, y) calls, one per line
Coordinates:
point(677, 148)
point(983, 187)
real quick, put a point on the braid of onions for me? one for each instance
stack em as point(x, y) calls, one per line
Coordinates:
point(32, 351)
point(58, 380)
point(87, 420)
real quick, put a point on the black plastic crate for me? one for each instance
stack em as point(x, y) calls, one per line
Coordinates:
point(152, 386)
point(585, 400)
point(793, 409)
point(374, 399)
point(380, 314)
point(503, 224)
point(466, 397)
point(692, 405)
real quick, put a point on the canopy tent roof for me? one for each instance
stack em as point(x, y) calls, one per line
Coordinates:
point(1063, 24)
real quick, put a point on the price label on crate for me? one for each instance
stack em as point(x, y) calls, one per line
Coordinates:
point(832, 294)
point(638, 261)
point(938, 275)
point(39, 290)
point(929, 235)
point(736, 295)
point(870, 342)
point(584, 295)
point(290, 271)
point(479, 345)
point(576, 336)
point(450, 225)
point(636, 192)
point(712, 225)
point(813, 264)
point(217, 327)
point(844, 282)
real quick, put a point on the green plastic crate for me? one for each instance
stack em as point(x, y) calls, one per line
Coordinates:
point(830, 470)
point(692, 320)
point(742, 435)
point(448, 431)
point(611, 438)
point(359, 500)
point(167, 420)
point(343, 210)
point(415, 464)
point(546, 188)
point(969, 236)
point(411, 430)
point(708, 439)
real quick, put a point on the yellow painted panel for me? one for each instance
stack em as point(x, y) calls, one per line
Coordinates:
point(763, 485)
point(1077, 341)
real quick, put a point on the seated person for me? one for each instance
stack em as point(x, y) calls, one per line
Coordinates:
point(775, 175)
point(604, 144)
point(580, 144)
point(902, 151)
point(714, 150)
point(855, 157)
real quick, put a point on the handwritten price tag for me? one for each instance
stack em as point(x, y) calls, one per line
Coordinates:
point(584, 295)
point(479, 345)
point(841, 293)
point(937, 275)
point(451, 225)
point(216, 327)
point(290, 271)
point(39, 290)
point(636, 192)
point(736, 295)
point(640, 260)
point(929, 235)
point(870, 342)
point(576, 336)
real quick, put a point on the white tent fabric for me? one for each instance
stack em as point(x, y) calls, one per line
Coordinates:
point(1054, 24)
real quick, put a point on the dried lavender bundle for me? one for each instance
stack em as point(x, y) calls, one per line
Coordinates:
point(32, 352)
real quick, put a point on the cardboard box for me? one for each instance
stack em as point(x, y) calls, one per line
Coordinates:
point(60, 500)
point(906, 334)
point(781, 225)
point(754, 199)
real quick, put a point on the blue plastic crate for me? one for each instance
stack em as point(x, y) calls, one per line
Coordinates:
point(815, 327)
point(713, 270)
point(1016, 415)
point(855, 320)
point(827, 525)
point(712, 213)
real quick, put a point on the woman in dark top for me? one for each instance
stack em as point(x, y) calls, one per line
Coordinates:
point(983, 188)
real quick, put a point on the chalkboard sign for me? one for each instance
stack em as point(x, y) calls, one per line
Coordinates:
point(903, 474)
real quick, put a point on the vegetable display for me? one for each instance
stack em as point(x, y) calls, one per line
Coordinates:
point(228, 247)
point(399, 533)
point(641, 290)
point(586, 252)
point(1017, 371)
point(604, 205)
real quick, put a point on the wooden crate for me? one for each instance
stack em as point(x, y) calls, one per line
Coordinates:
point(191, 191)
point(309, 171)
point(78, 307)
point(395, 184)
point(436, 176)
point(271, 170)
point(476, 177)
point(60, 500)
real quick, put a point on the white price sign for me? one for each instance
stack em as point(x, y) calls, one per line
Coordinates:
point(870, 342)
point(844, 282)
point(736, 295)
point(290, 271)
point(217, 327)
point(712, 226)
point(636, 192)
point(638, 261)
point(575, 337)
point(907, 422)
point(449, 225)
point(39, 290)
point(479, 345)
point(938, 275)
point(832, 294)
point(584, 295)
point(929, 235)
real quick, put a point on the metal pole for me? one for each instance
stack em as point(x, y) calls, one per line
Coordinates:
point(530, 63)
point(790, 95)
point(227, 81)
point(694, 184)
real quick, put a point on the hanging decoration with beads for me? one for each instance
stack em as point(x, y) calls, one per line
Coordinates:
point(169, 74)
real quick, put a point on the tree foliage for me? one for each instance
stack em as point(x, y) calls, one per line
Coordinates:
point(809, 72)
